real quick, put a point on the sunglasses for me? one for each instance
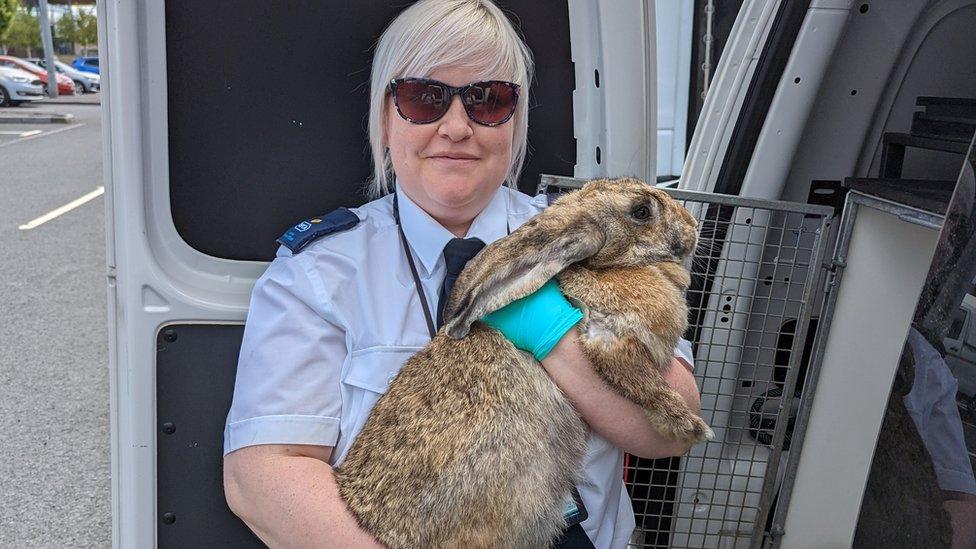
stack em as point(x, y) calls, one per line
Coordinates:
point(422, 101)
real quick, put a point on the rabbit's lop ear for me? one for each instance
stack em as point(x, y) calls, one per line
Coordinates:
point(520, 264)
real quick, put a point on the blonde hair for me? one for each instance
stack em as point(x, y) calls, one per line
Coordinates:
point(430, 34)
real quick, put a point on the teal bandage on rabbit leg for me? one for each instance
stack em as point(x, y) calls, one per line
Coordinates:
point(536, 322)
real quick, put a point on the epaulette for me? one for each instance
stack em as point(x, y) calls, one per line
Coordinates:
point(303, 234)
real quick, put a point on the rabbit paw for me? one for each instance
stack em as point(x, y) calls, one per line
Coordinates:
point(687, 428)
point(702, 431)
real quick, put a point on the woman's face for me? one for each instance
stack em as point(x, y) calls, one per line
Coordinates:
point(451, 167)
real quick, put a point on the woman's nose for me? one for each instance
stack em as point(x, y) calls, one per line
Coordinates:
point(455, 124)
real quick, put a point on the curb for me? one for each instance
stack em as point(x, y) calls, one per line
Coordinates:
point(57, 102)
point(36, 118)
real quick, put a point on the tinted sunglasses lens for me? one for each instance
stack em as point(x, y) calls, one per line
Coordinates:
point(490, 102)
point(421, 101)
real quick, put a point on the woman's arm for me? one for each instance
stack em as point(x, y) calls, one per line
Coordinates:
point(288, 496)
point(962, 512)
point(614, 417)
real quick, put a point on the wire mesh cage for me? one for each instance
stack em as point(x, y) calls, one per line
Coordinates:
point(754, 286)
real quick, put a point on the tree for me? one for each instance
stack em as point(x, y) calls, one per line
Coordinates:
point(66, 28)
point(87, 25)
point(24, 31)
point(7, 10)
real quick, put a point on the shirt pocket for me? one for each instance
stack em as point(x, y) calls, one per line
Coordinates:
point(373, 369)
point(366, 379)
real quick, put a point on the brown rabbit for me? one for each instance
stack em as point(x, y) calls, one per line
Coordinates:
point(473, 445)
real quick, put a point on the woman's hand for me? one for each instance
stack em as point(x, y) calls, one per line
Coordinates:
point(536, 322)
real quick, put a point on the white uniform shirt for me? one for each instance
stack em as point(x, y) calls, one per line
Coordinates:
point(329, 327)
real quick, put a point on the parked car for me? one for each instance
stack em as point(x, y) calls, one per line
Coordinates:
point(17, 86)
point(960, 347)
point(65, 85)
point(84, 82)
point(86, 64)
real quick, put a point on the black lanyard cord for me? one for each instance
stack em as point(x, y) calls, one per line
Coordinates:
point(413, 270)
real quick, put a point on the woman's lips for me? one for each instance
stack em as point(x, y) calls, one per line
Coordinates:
point(453, 161)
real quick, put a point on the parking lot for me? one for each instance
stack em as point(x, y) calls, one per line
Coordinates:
point(54, 410)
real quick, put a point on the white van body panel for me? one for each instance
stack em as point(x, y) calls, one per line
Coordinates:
point(673, 27)
point(793, 101)
point(619, 117)
point(725, 95)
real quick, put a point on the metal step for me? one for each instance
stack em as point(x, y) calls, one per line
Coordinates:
point(948, 127)
point(895, 143)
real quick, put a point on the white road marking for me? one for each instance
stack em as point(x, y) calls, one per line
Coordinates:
point(62, 210)
point(20, 133)
point(38, 133)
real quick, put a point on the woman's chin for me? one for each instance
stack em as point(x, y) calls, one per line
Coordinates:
point(460, 195)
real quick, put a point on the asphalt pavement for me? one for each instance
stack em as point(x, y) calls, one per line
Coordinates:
point(54, 395)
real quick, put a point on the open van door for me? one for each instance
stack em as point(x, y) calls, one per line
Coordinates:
point(224, 122)
point(812, 101)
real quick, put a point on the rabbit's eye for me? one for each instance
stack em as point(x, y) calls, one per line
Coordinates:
point(641, 213)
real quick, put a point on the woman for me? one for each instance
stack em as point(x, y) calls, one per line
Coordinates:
point(335, 316)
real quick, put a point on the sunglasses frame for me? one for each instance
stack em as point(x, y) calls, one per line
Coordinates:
point(451, 92)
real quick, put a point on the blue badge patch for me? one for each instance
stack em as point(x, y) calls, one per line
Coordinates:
point(307, 231)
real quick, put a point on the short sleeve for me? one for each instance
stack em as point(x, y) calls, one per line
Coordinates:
point(932, 406)
point(683, 352)
point(288, 373)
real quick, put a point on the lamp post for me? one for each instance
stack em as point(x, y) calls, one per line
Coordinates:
point(48, 43)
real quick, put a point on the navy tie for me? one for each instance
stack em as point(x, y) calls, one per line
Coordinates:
point(457, 253)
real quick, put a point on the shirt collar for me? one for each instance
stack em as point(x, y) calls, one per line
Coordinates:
point(427, 237)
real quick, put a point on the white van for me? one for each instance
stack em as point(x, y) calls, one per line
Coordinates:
point(797, 339)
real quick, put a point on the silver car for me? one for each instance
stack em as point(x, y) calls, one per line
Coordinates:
point(17, 86)
point(84, 82)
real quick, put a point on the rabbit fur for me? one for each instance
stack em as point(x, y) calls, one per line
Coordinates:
point(473, 445)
